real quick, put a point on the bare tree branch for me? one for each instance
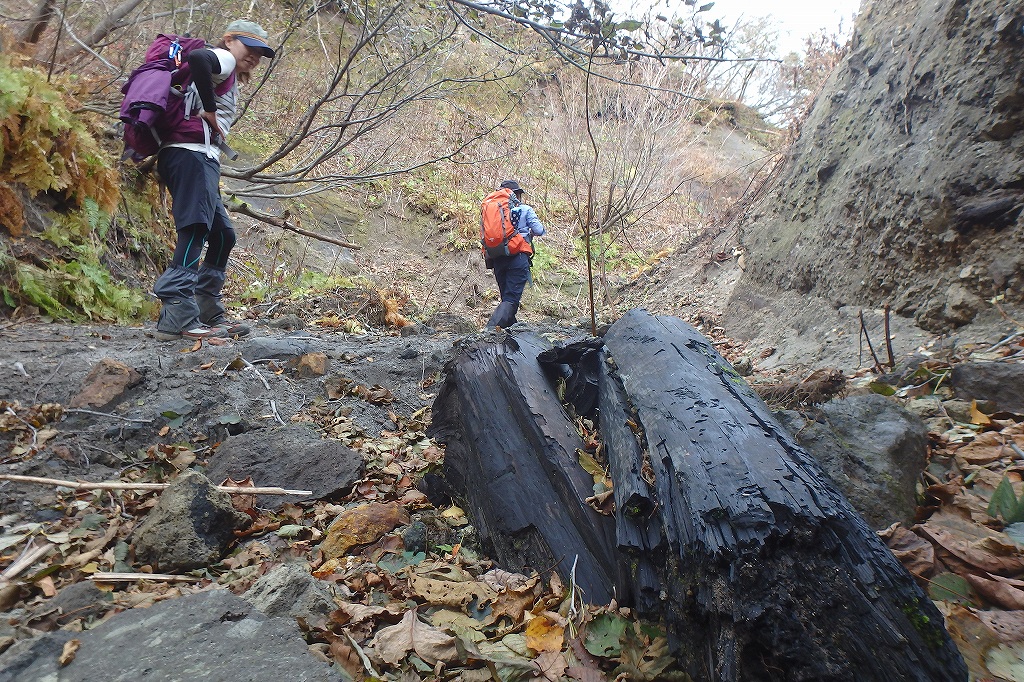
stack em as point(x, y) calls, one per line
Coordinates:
point(102, 29)
point(237, 206)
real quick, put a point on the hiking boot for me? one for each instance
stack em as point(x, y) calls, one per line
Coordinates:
point(231, 327)
point(199, 332)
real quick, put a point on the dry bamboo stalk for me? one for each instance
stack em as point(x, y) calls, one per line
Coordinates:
point(131, 577)
point(120, 485)
point(24, 561)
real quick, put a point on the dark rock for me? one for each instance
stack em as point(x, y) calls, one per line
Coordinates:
point(289, 321)
point(416, 330)
point(262, 348)
point(293, 457)
point(999, 382)
point(958, 410)
point(210, 635)
point(189, 528)
point(415, 537)
point(80, 600)
point(871, 448)
point(290, 591)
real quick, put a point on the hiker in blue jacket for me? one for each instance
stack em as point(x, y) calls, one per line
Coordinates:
point(189, 164)
point(513, 272)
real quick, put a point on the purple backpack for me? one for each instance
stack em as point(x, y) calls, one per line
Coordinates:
point(153, 106)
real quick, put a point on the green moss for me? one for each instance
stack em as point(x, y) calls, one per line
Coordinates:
point(930, 632)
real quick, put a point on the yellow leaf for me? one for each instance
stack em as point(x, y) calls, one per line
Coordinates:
point(68, 654)
point(91, 567)
point(543, 634)
point(977, 416)
point(590, 464)
point(455, 516)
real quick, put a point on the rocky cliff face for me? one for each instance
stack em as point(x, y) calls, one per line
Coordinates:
point(907, 182)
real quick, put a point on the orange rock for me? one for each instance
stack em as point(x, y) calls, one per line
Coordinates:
point(107, 381)
point(361, 526)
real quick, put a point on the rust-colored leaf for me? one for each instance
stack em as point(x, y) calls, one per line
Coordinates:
point(1008, 626)
point(972, 543)
point(915, 553)
point(241, 502)
point(997, 593)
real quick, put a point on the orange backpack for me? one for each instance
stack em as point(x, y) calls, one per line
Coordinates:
point(498, 234)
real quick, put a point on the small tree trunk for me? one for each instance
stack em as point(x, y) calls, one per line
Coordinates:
point(44, 12)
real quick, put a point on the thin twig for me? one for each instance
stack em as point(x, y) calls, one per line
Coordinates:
point(864, 331)
point(121, 485)
point(252, 367)
point(1002, 343)
point(34, 430)
point(107, 414)
point(27, 558)
point(133, 577)
point(277, 416)
point(888, 338)
point(35, 396)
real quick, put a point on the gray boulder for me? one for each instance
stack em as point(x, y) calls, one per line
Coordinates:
point(871, 448)
point(293, 457)
point(190, 527)
point(210, 635)
point(290, 591)
point(999, 382)
point(265, 347)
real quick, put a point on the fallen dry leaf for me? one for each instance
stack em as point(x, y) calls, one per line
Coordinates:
point(971, 636)
point(68, 654)
point(915, 553)
point(344, 654)
point(46, 585)
point(450, 593)
point(972, 543)
point(394, 643)
point(997, 593)
point(985, 449)
point(551, 665)
point(241, 502)
point(1007, 625)
point(977, 416)
point(544, 634)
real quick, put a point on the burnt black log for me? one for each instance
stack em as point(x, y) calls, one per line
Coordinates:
point(511, 458)
point(769, 572)
point(724, 528)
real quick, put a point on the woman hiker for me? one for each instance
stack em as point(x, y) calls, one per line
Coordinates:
point(189, 164)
